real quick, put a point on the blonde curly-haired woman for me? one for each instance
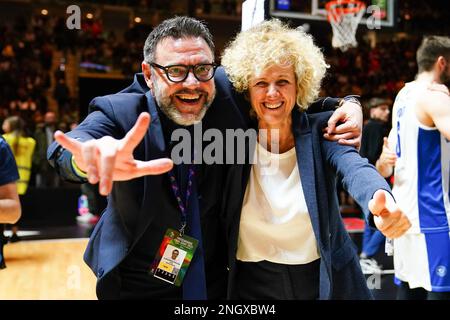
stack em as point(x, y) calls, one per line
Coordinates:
point(287, 238)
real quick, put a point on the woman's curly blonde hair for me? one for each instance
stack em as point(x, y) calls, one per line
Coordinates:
point(273, 42)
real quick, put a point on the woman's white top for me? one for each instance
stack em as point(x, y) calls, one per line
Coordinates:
point(275, 225)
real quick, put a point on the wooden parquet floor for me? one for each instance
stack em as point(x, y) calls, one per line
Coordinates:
point(46, 270)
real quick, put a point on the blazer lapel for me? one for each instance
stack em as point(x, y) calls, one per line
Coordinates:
point(305, 161)
point(154, 148)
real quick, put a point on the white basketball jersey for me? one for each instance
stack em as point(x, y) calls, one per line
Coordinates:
point(422, 176)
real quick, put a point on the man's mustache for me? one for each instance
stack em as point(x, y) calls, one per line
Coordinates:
point(186, 91)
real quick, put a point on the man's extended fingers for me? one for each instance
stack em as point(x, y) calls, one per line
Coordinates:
point(107, 166)
point(337, 137)
point(153, 167)
point(348, 139)
point(89, 154)
point(337, 116)
point(356, 142)
point(68, 143)
point(348, 126)
point(137, 133)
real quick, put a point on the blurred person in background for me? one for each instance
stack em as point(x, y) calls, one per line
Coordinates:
point(9, 199)
point(371, 146)
point(22, 147)
point(45, 175)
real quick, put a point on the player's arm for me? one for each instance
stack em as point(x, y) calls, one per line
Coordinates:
point(386, 162)
point(436, 106)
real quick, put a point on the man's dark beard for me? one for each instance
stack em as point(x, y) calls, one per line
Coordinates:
point(445, 77)
point(167, 105)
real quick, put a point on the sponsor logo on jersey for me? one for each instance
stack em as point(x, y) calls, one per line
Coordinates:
point(441, 271)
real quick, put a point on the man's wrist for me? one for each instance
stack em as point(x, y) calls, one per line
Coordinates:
point(80, 173)
point(330, 104)
point(350, 98)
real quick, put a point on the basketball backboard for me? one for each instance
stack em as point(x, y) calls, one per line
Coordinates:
point(378, 13)
point(253, 12)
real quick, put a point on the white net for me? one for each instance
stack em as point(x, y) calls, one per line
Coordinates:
point(344, 17)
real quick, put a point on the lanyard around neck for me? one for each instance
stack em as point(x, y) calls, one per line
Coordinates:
point(176, 191)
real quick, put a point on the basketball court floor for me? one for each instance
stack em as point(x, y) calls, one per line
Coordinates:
point(47, 264)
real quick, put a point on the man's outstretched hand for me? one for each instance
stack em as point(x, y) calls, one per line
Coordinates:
point(388, 217)
point(349, 131)
point(107, 159)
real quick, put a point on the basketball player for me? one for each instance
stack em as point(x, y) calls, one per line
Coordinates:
point(420, 137)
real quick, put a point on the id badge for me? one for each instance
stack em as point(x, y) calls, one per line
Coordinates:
point(174, 257)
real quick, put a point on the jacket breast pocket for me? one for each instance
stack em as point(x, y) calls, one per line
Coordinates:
point(343, 255)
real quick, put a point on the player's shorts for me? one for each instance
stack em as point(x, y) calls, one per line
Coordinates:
point(423, 260)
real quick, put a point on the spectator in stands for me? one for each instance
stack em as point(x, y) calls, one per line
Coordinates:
point(206, 6)
point(62, 94)
point(45, 175)
point(24, 106)
point(22, 147)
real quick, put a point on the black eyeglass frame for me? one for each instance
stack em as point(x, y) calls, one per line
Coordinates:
point(189, 68)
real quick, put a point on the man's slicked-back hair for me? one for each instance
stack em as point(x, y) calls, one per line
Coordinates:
point(432, 47)
point(177, 28)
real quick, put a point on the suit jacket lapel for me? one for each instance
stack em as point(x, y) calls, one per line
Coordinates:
point(154, 148)
point(305, 161)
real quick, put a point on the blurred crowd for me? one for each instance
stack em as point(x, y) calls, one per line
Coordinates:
point(429, 17)
point(26, 53)
point(372, 72)
point(25, 62)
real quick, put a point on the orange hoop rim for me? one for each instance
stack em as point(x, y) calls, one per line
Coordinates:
point(359, 5)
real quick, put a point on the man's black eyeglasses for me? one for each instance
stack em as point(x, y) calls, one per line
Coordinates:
point(179, 72)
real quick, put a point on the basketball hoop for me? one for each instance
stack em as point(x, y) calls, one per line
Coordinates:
point(344, 16)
